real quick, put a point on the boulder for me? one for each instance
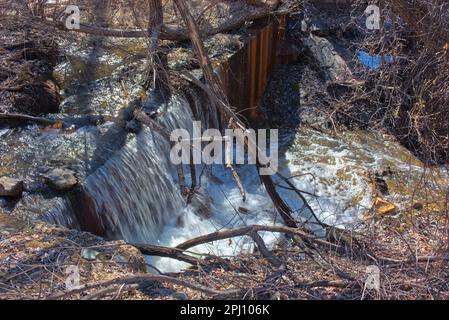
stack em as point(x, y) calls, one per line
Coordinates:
point(10, 187)
point(61, 179)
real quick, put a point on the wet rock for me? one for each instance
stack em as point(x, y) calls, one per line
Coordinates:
point(133, 126)
point(61, 179)
point(120, 259)
point(10, 187)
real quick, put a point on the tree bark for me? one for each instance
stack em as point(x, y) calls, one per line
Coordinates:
point(157, 78)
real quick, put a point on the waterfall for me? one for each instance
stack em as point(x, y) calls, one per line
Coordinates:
point(135, 194)
point(136, 191)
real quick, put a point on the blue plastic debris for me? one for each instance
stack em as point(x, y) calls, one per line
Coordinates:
point(373, 62)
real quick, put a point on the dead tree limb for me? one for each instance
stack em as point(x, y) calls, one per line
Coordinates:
point(173, 253)
point(275, 261)
point(282, 208)
point(304, 200)
point(140, 279)
point(25, 118)
point(229, 166)
point(178, 252)
point(248, 231)
point(12, 89)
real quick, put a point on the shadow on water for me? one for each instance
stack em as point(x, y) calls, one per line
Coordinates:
point(114, 138)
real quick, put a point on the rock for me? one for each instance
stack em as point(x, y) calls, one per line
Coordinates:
point(418, 206)
point(381, 185)
point(120, 259)
point(133, 126)
point(10, 187)
point(61, 179)
point(330, 62)
point(180, 296)
point(89, 254)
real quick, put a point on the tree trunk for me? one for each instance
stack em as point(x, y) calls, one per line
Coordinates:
point(157, 79)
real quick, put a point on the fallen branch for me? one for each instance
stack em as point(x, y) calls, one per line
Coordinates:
point(140, 279)
point(178, 252)
point(173, 253)
point(12, 89)
point(249, 231)
point(22, 117)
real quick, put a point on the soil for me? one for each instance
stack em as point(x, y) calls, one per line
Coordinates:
point(28, 55)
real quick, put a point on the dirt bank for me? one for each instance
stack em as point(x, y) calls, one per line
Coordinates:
point(28, 54)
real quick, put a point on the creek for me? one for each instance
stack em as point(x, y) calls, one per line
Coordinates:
point(128, 189)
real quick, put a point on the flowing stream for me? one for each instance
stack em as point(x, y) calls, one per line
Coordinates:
point(128, 186)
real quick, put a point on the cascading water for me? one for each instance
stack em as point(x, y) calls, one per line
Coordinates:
point(135, 195)
point(135, 192)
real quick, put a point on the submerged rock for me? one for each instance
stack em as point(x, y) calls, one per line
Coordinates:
point(10, 187)
point(61, 179)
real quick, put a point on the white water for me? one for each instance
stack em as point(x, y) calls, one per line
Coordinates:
point(226, 200)
point(137, 197)
point(337, 170)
